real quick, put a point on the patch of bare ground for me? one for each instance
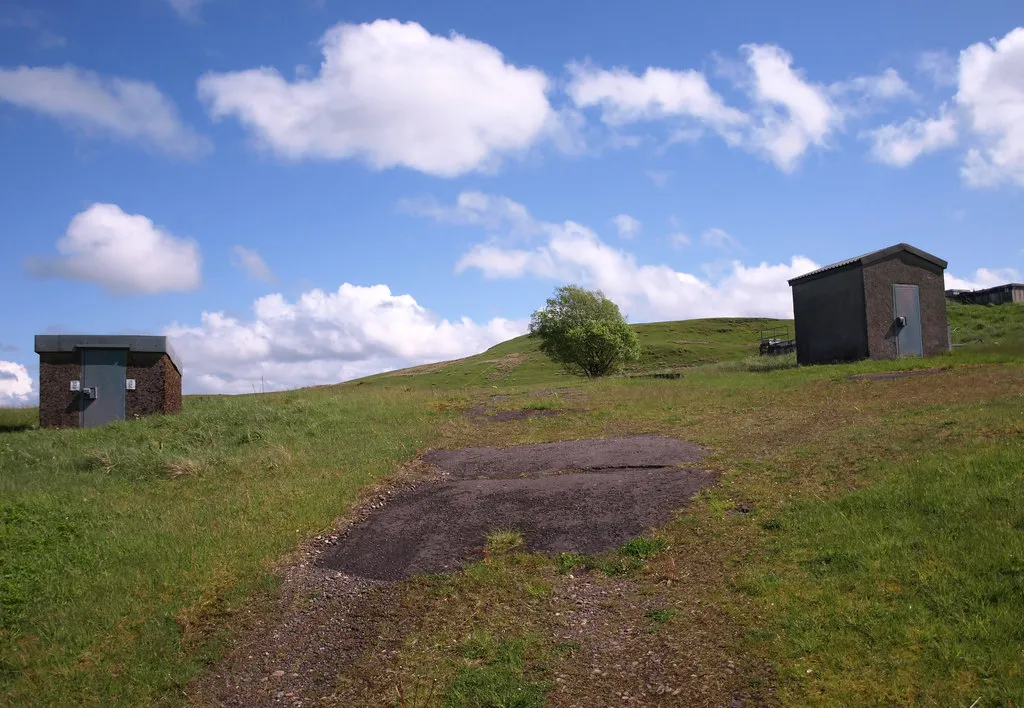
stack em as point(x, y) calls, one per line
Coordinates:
point(342, 616)
point(888, 375)
point(292, 650)
point(583, 496)
point(505, 364)
point(643, 644)
point(490, 410)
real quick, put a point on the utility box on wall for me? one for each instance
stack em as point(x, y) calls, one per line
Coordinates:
point(882, 305)
point(91, 380)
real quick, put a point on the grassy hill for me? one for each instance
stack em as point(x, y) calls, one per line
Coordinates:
point(664, 346)
point(675, 346)
point(848, 514)
point(986, 324)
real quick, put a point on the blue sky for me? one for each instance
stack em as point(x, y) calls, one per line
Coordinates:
point(311, 191)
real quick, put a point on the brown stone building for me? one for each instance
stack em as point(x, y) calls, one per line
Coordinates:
point(881, 305)
point(90, 380)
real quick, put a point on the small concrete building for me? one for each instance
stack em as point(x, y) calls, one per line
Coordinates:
point(90, 380)
point(881, 305)
point(999, 295)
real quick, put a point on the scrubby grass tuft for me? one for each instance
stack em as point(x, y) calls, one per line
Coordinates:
point(504, 541)
point(644, 547)
point(757, 364)
point(660, 615)
point(495, 674)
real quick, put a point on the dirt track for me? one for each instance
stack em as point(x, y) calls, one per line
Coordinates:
point(584, 496)
point(339, 619)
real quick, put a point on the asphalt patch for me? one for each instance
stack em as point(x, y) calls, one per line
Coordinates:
point(583, 496)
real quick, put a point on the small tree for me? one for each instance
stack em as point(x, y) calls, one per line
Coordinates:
point(584, 331)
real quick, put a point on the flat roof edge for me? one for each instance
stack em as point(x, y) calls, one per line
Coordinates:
point(66, 343)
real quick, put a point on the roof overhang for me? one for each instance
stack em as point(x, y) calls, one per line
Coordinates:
point(868, 259)
point(65, 343)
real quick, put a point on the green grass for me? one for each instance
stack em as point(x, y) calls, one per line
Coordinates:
point(504, 541)
point(126, 552)
point(124, 549)
point(986, 324)
point(519, 361)
point(495, 674)
point(660, 615)
point(15, 419)
point(910, 590)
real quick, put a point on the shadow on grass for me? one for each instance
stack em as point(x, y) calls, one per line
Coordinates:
point(15, 420)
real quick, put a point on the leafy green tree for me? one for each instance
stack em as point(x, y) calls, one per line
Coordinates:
point(584, 331)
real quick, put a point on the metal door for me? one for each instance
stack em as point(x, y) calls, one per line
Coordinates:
point(907, 313)
point(102, 395)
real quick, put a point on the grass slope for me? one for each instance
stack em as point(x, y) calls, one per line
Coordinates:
point(986, 324)
point(882, 552)
point(665, 346)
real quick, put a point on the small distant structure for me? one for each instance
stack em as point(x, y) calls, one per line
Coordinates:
point(777, 340)
point(91, 380)
point(882, 305)
point(998, 295)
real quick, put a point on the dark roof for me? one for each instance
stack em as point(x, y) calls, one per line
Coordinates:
point(50, 343)
point(874, 256)
point(996, 288)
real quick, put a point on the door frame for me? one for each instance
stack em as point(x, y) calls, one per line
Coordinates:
point(83, 402)
point(920, 322)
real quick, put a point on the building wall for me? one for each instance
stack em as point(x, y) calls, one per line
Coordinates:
point(904, 269)
point(172, 387)
point(157, 387)
point(829, 317)
point(59, 406)
point(147, 368)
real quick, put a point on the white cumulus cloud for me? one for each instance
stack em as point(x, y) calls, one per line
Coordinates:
point(324, 337)
point(991, 97)
point(900, 144)
point(488, 211)
point(252, 263)
point(787, 115)
point(121, 108)
point(794, 113)
point(885, 86)
point(572, 253)
point(123, 253)
point(657, 93)
point(15, 383)
point(392, 94)
point(939, 66)
point(628, 227)
point(983, 278)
